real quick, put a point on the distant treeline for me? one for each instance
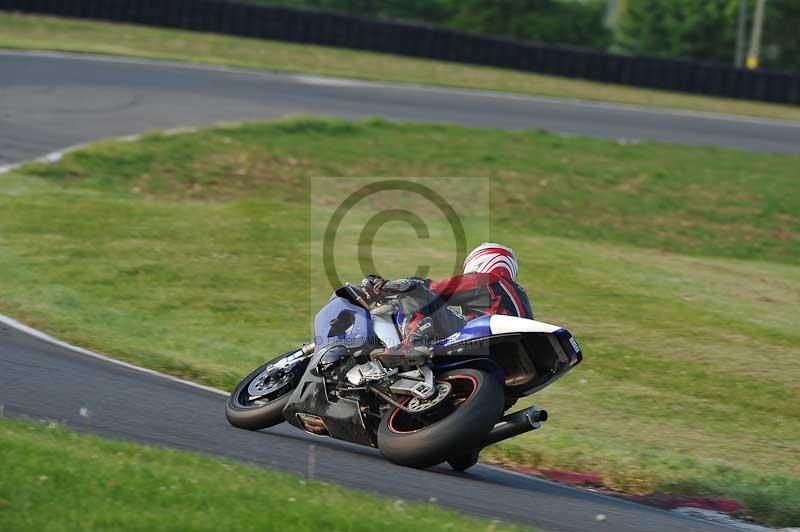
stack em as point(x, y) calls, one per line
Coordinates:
point(695, 29)
point(706, 30)
point(577, 23)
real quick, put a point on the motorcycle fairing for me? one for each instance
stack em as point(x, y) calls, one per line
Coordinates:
point(530, 353)
point(342, 417)
point(473, 330)
point(497, 324)
point(338, 324)
point(386, 330)
point(340, 321)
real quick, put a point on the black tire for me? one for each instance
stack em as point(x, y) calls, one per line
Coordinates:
point(463, 462)
point(404, 441)
point(257, 417)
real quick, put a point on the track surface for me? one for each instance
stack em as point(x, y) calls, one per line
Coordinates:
point(41, 380)
point(49, 101)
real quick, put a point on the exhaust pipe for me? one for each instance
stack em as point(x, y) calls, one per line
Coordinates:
point(515, 424)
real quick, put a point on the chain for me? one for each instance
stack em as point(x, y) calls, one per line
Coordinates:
point(389, 399)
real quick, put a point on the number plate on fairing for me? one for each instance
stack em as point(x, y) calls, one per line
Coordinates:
point(574, 344)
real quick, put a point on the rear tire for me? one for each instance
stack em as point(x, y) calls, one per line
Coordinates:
point(268, 414)
point(407, 441)
point(464, 461)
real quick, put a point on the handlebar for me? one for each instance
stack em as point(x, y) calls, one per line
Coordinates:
point(355, 295)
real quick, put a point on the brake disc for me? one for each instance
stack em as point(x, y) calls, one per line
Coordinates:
point(418, 405)
point(267, 382)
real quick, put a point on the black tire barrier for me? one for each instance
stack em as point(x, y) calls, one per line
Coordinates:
point(309, 26)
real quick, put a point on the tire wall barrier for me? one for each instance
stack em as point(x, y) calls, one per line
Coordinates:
point(419, 40)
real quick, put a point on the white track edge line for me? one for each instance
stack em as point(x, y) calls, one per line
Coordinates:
point(56, 156)
point(35, 333)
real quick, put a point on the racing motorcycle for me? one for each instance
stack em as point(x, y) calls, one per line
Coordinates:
point(441, 407)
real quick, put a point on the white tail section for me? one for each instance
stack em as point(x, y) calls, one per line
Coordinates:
point(510, 324)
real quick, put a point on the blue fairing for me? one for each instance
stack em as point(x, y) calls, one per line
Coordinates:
point(570, 345)
point(359, 324)
point(477, 328)
point(472, 330)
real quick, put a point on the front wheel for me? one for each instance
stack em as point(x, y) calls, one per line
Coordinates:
point(461, 421)
point(258, 401)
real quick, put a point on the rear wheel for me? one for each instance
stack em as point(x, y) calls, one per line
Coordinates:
point(459, 421)
point(258, 401)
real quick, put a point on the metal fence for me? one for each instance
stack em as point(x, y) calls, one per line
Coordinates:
point(419, 40)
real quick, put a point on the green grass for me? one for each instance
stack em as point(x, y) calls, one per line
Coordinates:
point(676, 267)
point(55, 479)
point(48, 33)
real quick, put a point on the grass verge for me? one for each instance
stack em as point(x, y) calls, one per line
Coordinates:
point(56, 479)
point(48, 33)
point(677, 267)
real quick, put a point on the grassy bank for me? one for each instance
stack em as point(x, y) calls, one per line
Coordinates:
point(55, 479)
point(676, 267)
point(47, 33)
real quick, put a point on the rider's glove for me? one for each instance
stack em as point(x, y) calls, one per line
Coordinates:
point(372, 284)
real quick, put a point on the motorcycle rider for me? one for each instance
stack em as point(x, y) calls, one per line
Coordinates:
point(487, 286)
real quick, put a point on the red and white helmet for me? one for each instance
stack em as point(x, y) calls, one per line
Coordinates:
point(492, 258)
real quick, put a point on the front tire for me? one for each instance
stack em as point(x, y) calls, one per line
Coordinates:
point(462, 421)
point(267, 411)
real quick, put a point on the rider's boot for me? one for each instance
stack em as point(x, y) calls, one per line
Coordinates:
point(414, 351)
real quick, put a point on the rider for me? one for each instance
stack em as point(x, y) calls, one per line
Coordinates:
point(487, 286)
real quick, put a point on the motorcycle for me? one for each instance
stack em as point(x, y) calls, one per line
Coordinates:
point(443, 407)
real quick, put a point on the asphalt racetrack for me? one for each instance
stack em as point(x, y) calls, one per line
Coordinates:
point(51, 101)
